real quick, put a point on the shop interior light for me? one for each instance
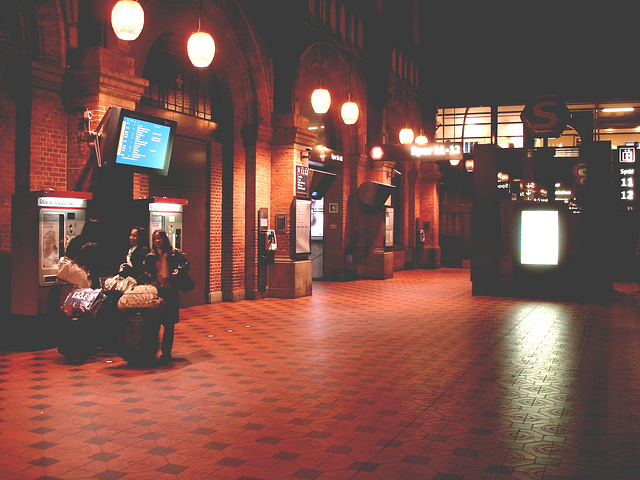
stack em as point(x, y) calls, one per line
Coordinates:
point(127, 19)
point(617, 109)
point(201, 48)
point(454, 163)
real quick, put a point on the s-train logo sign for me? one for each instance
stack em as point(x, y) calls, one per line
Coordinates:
point(546, 117)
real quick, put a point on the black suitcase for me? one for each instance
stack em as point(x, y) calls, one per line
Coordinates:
point(141, 330)
point(77, 337)
point(77, 334)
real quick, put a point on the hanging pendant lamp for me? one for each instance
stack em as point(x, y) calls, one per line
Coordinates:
point(350, 110)
point(201, 48)
point(421, 139)
point(321, 98)
point(406, 135)
point(127, 19)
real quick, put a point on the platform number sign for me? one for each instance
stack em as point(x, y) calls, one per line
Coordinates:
point(627, 171)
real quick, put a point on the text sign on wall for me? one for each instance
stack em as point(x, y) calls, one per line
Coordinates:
point(302, 181)
point(627, 170)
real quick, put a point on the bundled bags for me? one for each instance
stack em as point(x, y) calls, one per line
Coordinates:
point(70, 272)
point(119, 284)
point(141, 296)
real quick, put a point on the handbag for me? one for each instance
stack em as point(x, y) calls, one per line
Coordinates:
point(119, 284)
point(141, 296)
point(184, 280)
point(70, 272)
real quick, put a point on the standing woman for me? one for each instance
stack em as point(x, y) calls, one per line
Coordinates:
point(165, 264)
point(134, 266)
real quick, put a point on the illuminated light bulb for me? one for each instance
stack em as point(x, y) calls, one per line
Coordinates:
point(350, 112)
point(405, 136)
point(201, 49)
point(321, 100)
point(127, 19)
point(454, 163)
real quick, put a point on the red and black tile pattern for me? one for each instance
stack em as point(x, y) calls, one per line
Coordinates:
point(407, 378)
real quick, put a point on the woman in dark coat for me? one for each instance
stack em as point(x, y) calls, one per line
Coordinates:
point(134, 266)
point(165, 264)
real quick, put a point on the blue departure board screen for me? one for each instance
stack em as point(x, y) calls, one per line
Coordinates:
point(144, 144)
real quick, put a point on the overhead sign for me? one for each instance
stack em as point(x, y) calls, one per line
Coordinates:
point(546, 117)
point(428, 152)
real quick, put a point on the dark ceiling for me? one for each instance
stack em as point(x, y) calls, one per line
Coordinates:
point(498, 52)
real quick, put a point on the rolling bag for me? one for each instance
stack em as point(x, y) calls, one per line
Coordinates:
point(140, 343)
point(77, 326)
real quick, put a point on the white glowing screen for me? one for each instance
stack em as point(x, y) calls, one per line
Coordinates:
point(539, 237)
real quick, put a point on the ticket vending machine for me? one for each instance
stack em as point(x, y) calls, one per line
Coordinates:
point(166, 214)
point(42, 223)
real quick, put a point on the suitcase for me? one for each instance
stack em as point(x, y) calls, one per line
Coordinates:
point(77, 334)
point(77, 337)
point(139, 344)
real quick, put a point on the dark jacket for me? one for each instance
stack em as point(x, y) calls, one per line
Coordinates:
point(169, 291)
point(136, 269)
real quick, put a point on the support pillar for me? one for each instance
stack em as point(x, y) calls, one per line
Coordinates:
point(430, 255)
point(290, 276)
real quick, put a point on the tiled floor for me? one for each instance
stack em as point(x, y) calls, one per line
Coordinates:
point(408, 378)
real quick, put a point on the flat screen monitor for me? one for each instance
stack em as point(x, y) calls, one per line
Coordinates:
point(135, 140)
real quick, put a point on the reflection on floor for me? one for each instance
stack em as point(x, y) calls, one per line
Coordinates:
point(407, 378)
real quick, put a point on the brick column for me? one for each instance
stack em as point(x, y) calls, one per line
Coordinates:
point(48, 129)
point(414, 223)
point(290, 276)
point(100, 79)
point(376, 261)
point(257, 143)
point(430, 212)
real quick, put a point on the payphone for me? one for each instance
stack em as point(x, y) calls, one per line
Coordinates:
point(42, 223)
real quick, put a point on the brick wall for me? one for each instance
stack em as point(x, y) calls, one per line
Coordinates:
point(7, 168)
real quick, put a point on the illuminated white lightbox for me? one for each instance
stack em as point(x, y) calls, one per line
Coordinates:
point(539, 237)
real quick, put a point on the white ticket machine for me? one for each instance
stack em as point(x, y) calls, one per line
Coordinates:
point(42, 223)
point(166, 214)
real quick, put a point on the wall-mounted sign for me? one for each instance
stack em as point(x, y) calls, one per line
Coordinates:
point(302, 181)
point(627, 172)
point(321, 156)
point(428, 152)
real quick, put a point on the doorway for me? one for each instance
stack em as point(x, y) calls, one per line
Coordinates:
point(317, 238)
point(188, 179)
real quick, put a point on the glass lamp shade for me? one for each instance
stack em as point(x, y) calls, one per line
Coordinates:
point(127, 19)
point(454, 163)
point(201, 49)
point(350, 112)
point(321, 100)
point(421, 139)
point(406, 135)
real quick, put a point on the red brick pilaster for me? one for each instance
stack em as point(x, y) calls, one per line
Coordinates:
point(430, 212)
point(290, 276)
point(48, 129)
